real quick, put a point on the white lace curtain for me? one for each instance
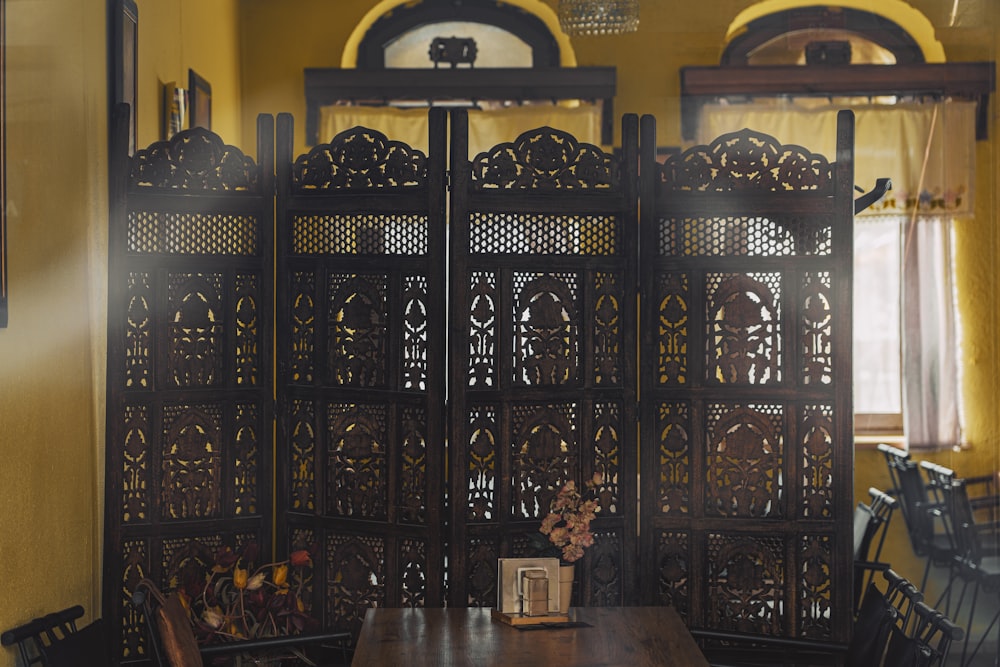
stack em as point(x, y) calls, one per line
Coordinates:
point(927, 149)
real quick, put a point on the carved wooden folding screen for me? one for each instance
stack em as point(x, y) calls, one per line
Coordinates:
point(542, 337)
point(361, 308)
point(189, 416)
point(746, 376)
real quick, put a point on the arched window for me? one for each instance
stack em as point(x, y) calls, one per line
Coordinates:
point(509, 60)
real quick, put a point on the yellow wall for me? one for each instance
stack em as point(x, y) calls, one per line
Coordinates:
point(52, 353)
point(52, 356)
point(178, 35)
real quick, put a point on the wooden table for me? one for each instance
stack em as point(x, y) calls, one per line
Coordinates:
point(617, 636)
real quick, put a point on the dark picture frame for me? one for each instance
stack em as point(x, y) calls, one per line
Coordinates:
point(200, 91)
point(3, 164)
point(125, 24)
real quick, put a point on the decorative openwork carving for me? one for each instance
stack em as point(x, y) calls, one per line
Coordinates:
point(194, 159)
point(453, 50)
point(546, 317)
point(744, 461)
point(195, 330)
point(189, 367)
point(545, 454)
point(192, 464)
point(744, 318)
point(358, 337)
point(742, 265)
point(746, 160)
point(355, 579)
point(356, 473)
point(545, 159)
point(745, 589)
point(360, 159)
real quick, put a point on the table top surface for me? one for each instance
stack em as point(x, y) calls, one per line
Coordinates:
point(613, 636)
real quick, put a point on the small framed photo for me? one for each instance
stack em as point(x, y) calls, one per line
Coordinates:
point(510, 572)
point(201, 100)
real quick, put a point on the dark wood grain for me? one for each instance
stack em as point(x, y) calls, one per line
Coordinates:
point(616, 636)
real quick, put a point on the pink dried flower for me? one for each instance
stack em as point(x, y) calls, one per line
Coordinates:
point(568, 522)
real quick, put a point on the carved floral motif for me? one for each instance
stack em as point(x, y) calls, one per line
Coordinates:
point(544, 159)
point(746, 160)
point(360, 158)
point(194, 159)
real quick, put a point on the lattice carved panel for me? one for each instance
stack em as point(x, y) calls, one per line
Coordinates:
point(673, 568)
point(481, 558)
point(746, 583)
point(743, 316)
point(605, 571)
point(673, 428)
point(816, 586)
point(413, 475)
point(816, 432)
point(138, 352)
point(608, 334)
point(483, 325)
point(355, 579)
point(246, 464)
point(415, 333)
point(673, 328)
point(358, 336)
point(544, 457)
point(302, 328)
point(607, 457)
point(135, 566)
point(744, 461)
point(360, 234)
point(175, 233)
point(135, 461)
point(413, 573)
point(817, 326)
point(191, 486)
point(517, 233)
point(246, 323)
point(744, 236)
point(302, 452)
point(547, 334)
point(482, 501)
point(195, 330)
point(357, 467)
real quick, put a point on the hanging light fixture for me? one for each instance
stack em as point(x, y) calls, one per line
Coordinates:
point(598, 17)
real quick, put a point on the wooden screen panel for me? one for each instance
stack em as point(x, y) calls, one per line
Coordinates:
point(361, 308)
point(542, 341)
point(746, 420)
point(189, 416)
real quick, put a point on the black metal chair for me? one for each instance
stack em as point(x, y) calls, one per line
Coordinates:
point(172, 641)
point(54, 640)
point(928, 536)
point(871, 521)
point(978, 560)
point(894, 628)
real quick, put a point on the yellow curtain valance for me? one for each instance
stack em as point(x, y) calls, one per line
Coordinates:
point(487, 127)
point(927, 149)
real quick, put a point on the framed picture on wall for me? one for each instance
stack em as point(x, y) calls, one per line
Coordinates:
point(126, 53)
point(201, 100)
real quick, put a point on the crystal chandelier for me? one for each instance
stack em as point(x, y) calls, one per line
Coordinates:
point(598, 17)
